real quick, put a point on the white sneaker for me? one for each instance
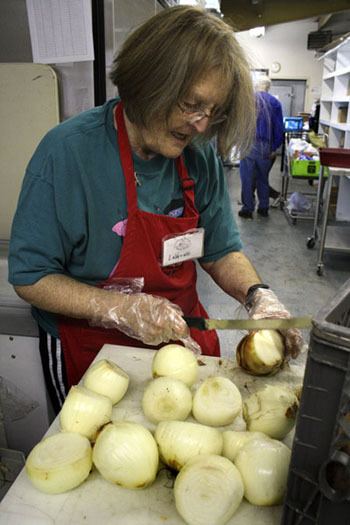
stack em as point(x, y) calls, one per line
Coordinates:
point(276, 202)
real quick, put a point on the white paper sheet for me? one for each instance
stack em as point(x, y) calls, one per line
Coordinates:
point(60, 30)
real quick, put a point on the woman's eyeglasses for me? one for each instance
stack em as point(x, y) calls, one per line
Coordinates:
point(194, 114)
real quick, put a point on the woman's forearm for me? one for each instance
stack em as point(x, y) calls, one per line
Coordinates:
point(234, 273)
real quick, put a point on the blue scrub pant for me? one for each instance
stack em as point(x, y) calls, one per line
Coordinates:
point(254, 173)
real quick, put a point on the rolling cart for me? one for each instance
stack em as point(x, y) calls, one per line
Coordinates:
point(338, 235)
point(302, 170)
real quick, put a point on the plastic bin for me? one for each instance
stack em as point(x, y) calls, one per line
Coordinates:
point(335, 157)
point(318, 489)
point(305, 168)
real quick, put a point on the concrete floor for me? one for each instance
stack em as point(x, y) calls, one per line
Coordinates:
point(278, 250)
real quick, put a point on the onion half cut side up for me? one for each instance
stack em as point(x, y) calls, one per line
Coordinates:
point(217, 402)
point(166, 399)
point(261, 352)
point(208, 490)
point(59, 462)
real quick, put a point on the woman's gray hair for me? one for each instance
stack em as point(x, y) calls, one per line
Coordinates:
point(161, 61)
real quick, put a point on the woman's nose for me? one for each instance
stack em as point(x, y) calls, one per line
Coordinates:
point(201, 125)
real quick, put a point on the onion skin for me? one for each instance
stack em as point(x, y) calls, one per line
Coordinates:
point(271, 410)
point(59, 462)
point(248, 360)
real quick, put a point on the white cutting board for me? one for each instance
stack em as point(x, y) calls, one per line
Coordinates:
point(28, 109)
point(98, 501)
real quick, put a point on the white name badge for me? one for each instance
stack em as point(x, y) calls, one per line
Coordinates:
point(183, 247)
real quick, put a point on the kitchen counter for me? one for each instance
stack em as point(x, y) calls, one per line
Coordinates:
point(97, 500)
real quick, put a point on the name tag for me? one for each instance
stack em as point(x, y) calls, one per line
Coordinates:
point(183, 247)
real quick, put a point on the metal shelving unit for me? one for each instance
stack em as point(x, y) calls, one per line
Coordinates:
point(333, 237)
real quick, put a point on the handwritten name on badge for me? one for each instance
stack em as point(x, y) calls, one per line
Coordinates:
point(183, 247)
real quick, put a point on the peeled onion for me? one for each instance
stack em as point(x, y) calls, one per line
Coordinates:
point(271, 410)
point(85, 412)
point(217, 402)
point(179, 441)
point(233, 441)
point(166, 398)
point(59, 463)
point(261, 352)
point(108, 379)
point(125, 453)
point(263, 465)
point(208, 490)
point(176, 361)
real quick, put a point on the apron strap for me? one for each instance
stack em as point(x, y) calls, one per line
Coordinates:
point(126, 159)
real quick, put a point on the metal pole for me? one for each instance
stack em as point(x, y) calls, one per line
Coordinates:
point(98, 29)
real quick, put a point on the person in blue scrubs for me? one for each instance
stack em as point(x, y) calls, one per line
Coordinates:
point(255, 167)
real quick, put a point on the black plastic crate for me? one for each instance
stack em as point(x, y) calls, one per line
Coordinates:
point(318, 489)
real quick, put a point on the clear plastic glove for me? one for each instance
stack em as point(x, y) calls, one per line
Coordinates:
point(264, 305)
point(148, 318)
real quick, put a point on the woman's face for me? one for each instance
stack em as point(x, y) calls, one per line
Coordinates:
point(170, 138)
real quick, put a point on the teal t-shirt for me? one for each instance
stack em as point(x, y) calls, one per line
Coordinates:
point(73, 194)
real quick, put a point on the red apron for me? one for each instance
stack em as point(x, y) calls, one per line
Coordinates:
point(141, 257)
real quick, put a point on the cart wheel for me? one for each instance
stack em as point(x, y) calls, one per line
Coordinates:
point(320, 269)
point(310, 242)
point(281, 204)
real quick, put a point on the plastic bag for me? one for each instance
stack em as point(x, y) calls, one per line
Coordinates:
point(298, 202)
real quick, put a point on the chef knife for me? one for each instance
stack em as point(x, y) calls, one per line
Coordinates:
point(248, 324)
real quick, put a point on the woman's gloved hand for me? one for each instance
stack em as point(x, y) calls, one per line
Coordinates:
point(263, 304)
point(148, 318)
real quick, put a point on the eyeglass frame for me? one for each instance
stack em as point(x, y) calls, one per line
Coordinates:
point(201, 114)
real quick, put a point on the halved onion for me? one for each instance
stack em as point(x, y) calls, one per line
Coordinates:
point(108, 379)
point(271, 410)
point(179, 441)
point(59, 462)
point(261, 352)
point(85, 412)
point(176, 361)
point(208, 490)
point(263, 465)
point(165, 399)
point(126, 454)
point(234, 441)
point(217, 402)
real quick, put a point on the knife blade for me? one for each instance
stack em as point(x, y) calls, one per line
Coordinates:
point(248, 324)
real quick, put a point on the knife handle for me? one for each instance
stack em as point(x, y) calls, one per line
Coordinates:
point(196, 322)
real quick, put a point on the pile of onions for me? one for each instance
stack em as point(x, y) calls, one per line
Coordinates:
point(108, 379)
point(261, 352)
point(271, 410)
point(217, 402)
point(263, 465)
point(208, 490)
point(176, 361)
point(126, 454)
point(85, 412)
point(179, 441)
point(165, 399)
point(59, 463)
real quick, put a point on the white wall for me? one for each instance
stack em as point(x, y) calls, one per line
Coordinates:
point(286, 44)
